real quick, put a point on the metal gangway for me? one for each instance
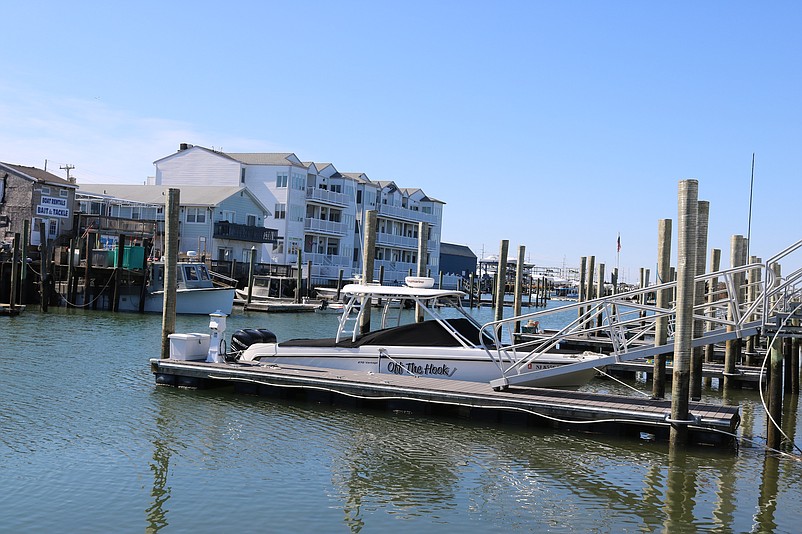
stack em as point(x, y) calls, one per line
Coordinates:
point(736, 303)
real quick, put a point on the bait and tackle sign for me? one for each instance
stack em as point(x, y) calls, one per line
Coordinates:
point(53, 207)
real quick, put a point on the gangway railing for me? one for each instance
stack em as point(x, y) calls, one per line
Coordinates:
point(629, 323)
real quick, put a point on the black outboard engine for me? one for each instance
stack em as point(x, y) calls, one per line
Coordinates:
point(242, 339)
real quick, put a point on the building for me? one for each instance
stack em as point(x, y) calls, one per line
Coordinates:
point(222, 223)
point(457, 259)
point(37, 196)
point(318, 211)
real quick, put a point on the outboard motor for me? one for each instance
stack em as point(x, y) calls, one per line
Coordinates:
point(242, 339)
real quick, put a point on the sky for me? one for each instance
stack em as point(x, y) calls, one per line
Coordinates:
point(556, 126)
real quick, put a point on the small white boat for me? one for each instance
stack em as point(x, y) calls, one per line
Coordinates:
point(268, 287)
point(450, 343)
point(196, 292)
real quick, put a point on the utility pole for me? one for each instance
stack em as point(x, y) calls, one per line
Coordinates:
point(68, 168)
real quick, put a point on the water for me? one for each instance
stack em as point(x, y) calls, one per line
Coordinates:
point(88, 443)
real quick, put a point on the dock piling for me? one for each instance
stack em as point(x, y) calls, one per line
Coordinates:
point(662, 300)
point(697, 355)
point(683, 334)
point(171, 224)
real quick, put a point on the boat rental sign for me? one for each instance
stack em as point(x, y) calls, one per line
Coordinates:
point(53, 207)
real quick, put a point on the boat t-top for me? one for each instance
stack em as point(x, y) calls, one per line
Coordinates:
point(443, 341)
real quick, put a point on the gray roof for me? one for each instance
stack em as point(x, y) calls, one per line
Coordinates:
point(262, 158)
point(456, 250)
point(190, 195)
point(38, 175)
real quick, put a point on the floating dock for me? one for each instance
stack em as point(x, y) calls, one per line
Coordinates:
point(642, 418)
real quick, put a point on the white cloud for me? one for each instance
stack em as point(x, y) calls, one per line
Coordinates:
point(103, 144)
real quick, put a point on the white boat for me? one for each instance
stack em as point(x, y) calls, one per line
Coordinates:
point(269, 287)
point(196, 292)
point(448, 344)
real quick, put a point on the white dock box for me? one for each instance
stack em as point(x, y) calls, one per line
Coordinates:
point(189, 346)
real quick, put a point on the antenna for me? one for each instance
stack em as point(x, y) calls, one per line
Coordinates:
point(749, 224)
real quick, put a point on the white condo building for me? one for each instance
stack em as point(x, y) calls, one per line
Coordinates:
point(318, 211)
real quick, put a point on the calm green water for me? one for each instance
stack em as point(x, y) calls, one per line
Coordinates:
point(89, 443)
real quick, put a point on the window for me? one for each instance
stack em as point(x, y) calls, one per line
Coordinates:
point(359, 196)
point(298, 181)
point(278, 246)
point(281, 180)
point(63, 193)
point(196, 215)
point(227, 216)
point(45, 190)
point(136, 212)
point(242, 176)
point(251, 220)
point(52, 228)
point(296, 213)
point(280, 211)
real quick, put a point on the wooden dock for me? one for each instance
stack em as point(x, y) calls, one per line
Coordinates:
point(637, 417)
point(746, 376)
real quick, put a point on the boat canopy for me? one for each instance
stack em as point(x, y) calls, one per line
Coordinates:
point(399, 292)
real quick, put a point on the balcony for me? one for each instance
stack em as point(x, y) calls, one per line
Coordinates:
point(327, 227)
point(244, 232)
point(406, 214)
point(328, 197)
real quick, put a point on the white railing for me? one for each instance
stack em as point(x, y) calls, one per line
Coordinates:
point(324, 195)
point(319, 225)
point(629, 325)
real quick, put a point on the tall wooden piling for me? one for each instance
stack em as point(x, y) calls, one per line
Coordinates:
point(697, 355)
point(582, 295)
point(590, 290)
point(683, 334)
point(24, 249)
point(299, 276)
point(251, 266)
point(519, 276)
point(775, 380)
point(15, 270)
point(118, 269)
point(732, 346)
point(599, 294)
point(171, 229)
point(44, 259)
point(715, 265)
point(368, 261)
point(663, 299)
point(339, 283)
point(308, 284)
point(752, 292)
point(775, 394)
point(501, 280)
point(471, 278)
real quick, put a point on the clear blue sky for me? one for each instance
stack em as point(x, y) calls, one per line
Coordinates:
point(554, 125)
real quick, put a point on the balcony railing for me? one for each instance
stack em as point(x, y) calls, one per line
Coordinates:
point(244, 232)
point(324, 195)
point(406, 213)
point(329, 227)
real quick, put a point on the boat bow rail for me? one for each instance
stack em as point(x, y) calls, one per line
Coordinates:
point(737, 302)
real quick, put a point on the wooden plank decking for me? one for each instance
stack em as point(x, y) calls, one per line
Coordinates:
point(560, 408)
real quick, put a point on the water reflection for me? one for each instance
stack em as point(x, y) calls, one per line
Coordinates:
point(156, 513)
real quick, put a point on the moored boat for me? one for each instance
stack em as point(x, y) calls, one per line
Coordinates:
point(196, 292)
point(449, 343)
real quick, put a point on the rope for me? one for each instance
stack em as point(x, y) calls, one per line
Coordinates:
point(760, 381)
point(665, 423)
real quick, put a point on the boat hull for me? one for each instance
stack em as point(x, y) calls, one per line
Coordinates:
point(471, 365)
point(188, 301)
